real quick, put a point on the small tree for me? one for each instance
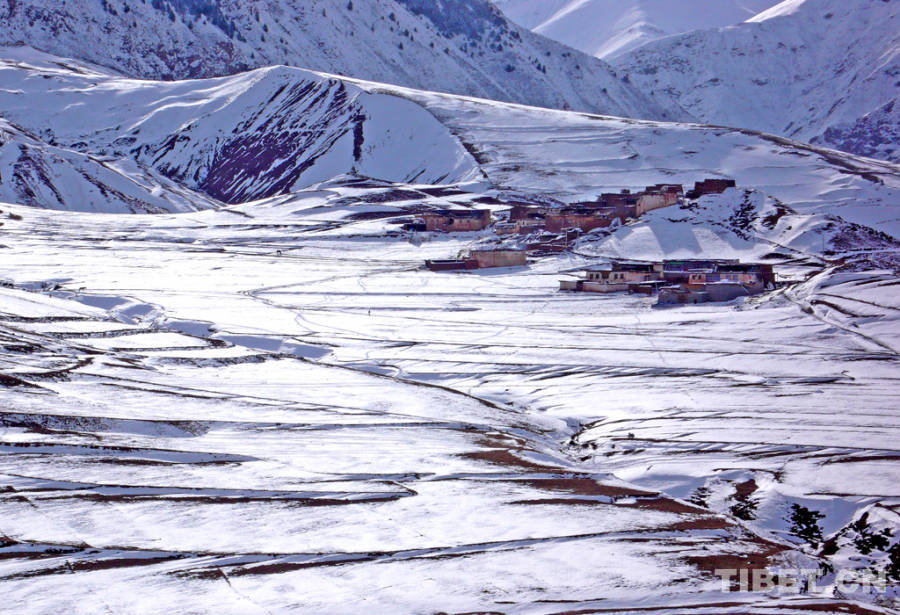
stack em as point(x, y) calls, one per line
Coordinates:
point(805, 524)
point(868, 539)
point(700, 496)
point(893, 567)
point(744, 507)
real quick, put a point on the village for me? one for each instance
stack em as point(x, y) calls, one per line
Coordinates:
point(550, 229)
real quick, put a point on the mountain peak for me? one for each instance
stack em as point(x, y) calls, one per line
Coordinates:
point(610, 28)
point(811, 70)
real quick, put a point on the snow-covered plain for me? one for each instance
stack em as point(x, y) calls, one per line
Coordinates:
point(193, 420)
point(270, 406)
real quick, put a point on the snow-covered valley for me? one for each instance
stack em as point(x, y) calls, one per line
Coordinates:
point(273, 406)
point(261, 401)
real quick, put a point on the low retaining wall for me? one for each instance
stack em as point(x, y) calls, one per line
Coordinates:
point(599, 287)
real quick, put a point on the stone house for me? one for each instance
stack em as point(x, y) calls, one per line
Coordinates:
point(456, 220)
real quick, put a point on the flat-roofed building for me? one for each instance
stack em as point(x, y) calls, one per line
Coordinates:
point(456, 220)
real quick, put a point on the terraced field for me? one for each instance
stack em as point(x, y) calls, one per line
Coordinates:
point(273, 407)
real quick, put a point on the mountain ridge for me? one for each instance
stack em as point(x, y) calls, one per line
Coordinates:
point(820, 71)
point(464, 47)
point(234, 139)
point(277, 130)
point(609, 28)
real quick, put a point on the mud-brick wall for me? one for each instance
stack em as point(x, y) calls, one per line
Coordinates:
point(558, 222)
point(655, 200)
point(457, 224)
point(499, 258)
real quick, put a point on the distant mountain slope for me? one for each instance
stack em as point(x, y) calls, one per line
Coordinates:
point(239, 138)
point(608, 28)
point(822, 71)
point(876, 134)
point(278, 130)
point(459, 46)
point(33, 172)
point(573, 156)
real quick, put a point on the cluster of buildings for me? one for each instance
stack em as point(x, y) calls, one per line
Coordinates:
point(606, 210)
point(674, 281)
point(678, 281)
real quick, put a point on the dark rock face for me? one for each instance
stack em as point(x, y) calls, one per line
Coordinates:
point(267, 151)
point(269, 159)
point(211, 9)
point(875, 135)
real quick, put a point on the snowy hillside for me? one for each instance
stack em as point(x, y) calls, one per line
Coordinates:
point(33, 172)
point(235, 139)
point(822, 71)
point(458, 46)
point(278, 130)
point(609, 28)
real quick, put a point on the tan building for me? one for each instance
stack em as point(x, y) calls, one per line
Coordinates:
point(457, 220)
point(584, 219)
point(657, 199)
point(498, 258)
point(615, 277)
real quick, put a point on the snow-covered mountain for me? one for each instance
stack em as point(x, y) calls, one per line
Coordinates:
point(822, 71)
point(235, 139)
point(460, 46)
point(275, 131)
point(608, 28)
point(36, 173)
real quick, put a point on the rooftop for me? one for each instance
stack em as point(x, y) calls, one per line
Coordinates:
point(456, 213)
